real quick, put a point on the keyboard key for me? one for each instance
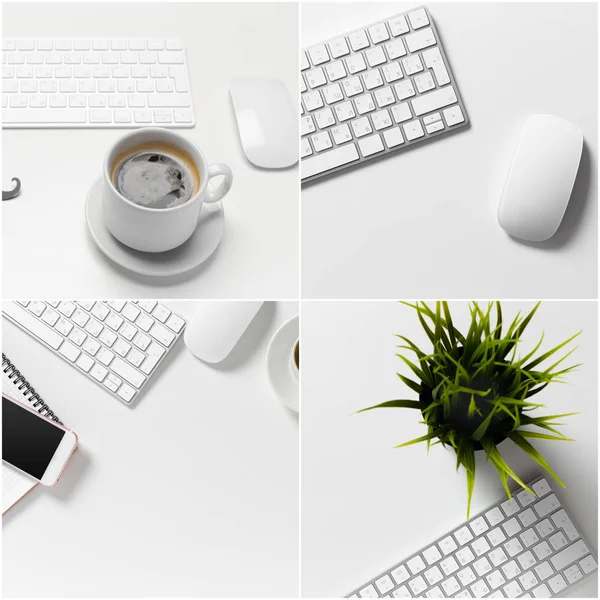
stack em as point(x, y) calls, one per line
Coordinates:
point(69, 351)
point(413, 130)
point(465, 556)
point(135, 357)
point(543, 570)
point(393, 137)
point(141, 341)
point(105, 356)
point(127, 372)
point(63, 326)
point(327, 161)
point(450, 586)
point(511, 527)
point(378, 33)
point(369, 592)
point(561, 519)
point(318, 55)
point(358, 40)
point(370, 145)
point(588, 564)
point(384, 584)
point(121, 347)
point(528, 580)
point(420, 40)
point(418, 18)
point(175, 323)
point(433, 60)
point(526, 560)
point(573, 574)
point(93, 327)
point(400, 574)
point(84, 362)
point(91, 346)
point(541, 488)
point(112, 382)
point(569, 555)
point(433, 575)
point(449, 565)
point(527, 517)
point(98, 372)
point(557, 584)
point(541, 591)
point(416, 565)
point(434, 100)
point(480, 589)
point(417, 585)
point(432, 555)
point(546, 506)
point(77, 336)
point(100, 311)
point(466, 576)
point(144, 322)
point(512, 590)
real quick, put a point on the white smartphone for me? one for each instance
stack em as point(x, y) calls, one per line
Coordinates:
point(34, 444)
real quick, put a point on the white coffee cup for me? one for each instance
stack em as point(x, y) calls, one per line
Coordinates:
point(293, 366)
point(159, 229)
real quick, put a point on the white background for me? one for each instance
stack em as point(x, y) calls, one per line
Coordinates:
point(365, 505)
point(422, 222)
point(193, 491)
point(47, 247)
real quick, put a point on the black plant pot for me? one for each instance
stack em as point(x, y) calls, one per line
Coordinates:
point(500, 426)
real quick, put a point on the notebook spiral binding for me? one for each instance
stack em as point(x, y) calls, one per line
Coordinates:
point(28, 390)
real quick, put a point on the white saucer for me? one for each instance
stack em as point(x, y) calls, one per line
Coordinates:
point(188, 256)
point(283, 380)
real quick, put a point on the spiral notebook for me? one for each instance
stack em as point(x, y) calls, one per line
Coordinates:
point(16, 484)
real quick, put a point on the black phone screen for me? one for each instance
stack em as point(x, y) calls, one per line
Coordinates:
point(28, 441)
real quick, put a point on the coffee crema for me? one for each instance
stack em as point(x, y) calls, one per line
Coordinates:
point(155, 175)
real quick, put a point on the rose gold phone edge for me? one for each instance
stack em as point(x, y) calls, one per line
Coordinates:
point(55, 424)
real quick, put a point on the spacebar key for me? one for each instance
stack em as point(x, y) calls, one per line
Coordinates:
point(44, 116)
point(31, 324)
point(329, 160)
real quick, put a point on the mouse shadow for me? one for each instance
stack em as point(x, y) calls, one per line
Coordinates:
point(241, 146)
point(73, 477)
point(576, 208)
point(250, 340)
point(293, 416)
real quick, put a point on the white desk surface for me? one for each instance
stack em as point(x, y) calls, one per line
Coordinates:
point(422, 223)
point(48, 251)
point(212, 510)
point(365, 505)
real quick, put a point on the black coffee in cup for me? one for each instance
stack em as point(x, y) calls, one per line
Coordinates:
point(156, 175)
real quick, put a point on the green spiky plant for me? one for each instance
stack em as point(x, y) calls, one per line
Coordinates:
point(473, 390)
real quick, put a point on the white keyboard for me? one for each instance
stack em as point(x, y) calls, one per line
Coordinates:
point(524, 548)
point(101, 82)
point(118, 345)
point(373, 91)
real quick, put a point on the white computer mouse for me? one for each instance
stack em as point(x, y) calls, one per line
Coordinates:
point(267, 121)
point(540, 178)
point(217, 326)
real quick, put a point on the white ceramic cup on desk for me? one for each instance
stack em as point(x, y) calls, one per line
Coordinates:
point(295, 359)
point(158, 229)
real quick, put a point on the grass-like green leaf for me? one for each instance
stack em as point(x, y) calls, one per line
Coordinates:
point(480, 390)
point(394, 404)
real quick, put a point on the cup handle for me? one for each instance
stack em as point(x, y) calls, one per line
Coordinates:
point(216, 193)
